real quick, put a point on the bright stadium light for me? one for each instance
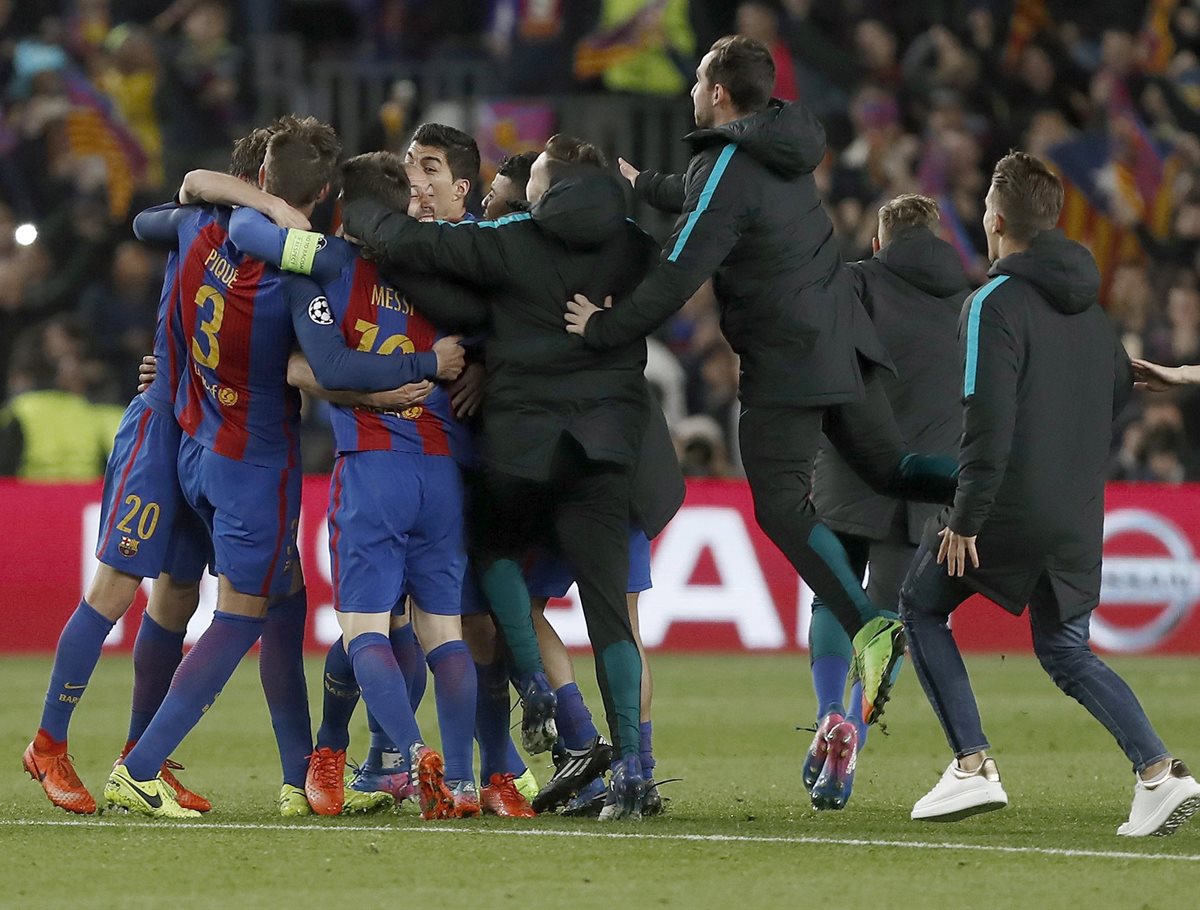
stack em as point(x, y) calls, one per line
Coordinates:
point(25, 234)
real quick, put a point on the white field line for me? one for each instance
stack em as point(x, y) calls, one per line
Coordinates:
point(609, 835)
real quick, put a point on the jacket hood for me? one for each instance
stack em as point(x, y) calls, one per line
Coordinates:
point(1063, 270)
point(582, 210)
point(786, 138)
point(927, 262)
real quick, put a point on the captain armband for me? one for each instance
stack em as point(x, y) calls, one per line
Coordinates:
point(300, 249)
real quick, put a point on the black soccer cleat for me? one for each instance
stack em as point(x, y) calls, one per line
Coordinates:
point(577, 769)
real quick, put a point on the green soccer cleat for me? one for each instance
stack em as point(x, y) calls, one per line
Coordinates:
point(359, 803)
point(293, 803)
point(153, 798)
point(527, 785)
point(878, 654)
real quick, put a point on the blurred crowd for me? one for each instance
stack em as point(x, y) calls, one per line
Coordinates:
point(106, 103)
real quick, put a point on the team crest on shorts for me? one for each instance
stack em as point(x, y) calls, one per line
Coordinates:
point(227, 397)
point(412, 413)
point(127, 547)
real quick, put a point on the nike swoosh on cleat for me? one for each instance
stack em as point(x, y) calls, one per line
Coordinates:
point(153, 800)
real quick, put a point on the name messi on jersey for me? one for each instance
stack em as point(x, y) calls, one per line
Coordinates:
point(221, 268)
point(387, 298)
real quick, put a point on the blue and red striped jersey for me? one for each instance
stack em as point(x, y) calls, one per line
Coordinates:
point(373, 317)
point(170, 350)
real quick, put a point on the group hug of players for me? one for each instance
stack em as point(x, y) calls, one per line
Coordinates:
point(505, 445)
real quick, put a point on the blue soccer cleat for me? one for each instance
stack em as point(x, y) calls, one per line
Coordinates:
point(626, 791)
point(589, 801)
point(833, 785)
point(819, 750)
point(539, 729)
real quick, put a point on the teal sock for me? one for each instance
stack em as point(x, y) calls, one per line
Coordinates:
point(504, 586)
point(622, 679)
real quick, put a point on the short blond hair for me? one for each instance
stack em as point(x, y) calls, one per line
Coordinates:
point(908, 210)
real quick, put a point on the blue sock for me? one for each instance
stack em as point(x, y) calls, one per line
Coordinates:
point(281, 668)
point(575, 724)
point(383, 688)
point(75, 658)
point(454, 688)
point(156, 655)
point(197, 683)
point(341, 698)
point(493, 702)
point(647, 751)
point(829, 683)
point(411, 659)
point(855, 714)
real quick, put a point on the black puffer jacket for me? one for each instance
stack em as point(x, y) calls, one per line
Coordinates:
point(913, 290)
point(750, 217)
point(542, 382)
point(1044, 374)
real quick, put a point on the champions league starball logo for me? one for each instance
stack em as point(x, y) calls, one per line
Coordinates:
point(1158, 589)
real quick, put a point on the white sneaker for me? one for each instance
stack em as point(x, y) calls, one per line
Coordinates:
point(1161, 806)
point(960, 794)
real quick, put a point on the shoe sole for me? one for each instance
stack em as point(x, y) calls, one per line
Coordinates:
point(899, 643)
point(538, 734)
point(833, 787)
point(31, 769)
point(960, 814)
point(434, 796)
point(1179, 817)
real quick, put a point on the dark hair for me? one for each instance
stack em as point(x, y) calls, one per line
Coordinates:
point(516, 168)
point(462, 154)
point(745, 67)
point(572, 150)
point(1028, 194)
point(379, 176)
point(248, 153)
point(303, 159)
point(908, 210)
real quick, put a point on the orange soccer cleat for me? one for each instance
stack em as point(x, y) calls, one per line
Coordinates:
point(434, 796)
point(501, 797)
point(49, 764)
point(325, 783)
point(186, 798)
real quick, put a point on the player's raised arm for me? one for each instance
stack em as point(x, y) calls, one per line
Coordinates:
point(704, 235)
point(337, 367)
point(216, 188)
point(993, 361)
point(474, 252)
point(300, 251)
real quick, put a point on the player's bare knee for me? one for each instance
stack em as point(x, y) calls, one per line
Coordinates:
point(435, 629)
point(173, 602)
point(111, 592)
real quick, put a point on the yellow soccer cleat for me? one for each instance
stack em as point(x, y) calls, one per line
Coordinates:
point(527, 785)
point(153, 798)
point(358, 803)
point(293, 803)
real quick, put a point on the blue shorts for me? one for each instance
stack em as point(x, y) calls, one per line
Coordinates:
point(473, 601)
point(550, 576)
point(145, 526)
point(250, 511)
point(396, 528)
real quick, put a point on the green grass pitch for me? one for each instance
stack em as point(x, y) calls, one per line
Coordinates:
point(739, 832)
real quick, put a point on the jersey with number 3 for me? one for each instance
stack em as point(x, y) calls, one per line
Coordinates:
point(236, 315)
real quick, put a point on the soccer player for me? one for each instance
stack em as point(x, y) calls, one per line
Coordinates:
point(507, 194)
point(146, 531)
point(238, 460)
point(750, 218)
point(561, 427)
point(1044, 375)
point(913, 289)
point(395, 515)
